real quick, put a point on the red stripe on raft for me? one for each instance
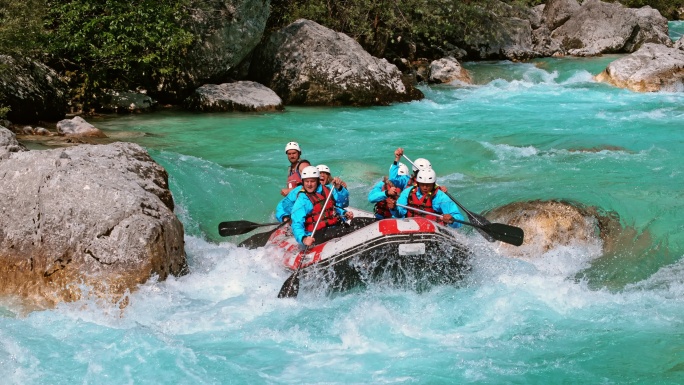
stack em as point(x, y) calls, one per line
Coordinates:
point(389, 226)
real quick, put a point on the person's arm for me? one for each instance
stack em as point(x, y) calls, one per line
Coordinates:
point(400, 212)
point(300, 209)
point(340, 193)
point(284, 208)
point(376, 194)
point(444, 204)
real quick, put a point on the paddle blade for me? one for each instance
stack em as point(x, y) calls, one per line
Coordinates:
point(236, 227)
point(482, 222)
point(290, 288)
point(505, 233)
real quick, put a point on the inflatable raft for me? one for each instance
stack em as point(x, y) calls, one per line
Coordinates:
point(410, 252)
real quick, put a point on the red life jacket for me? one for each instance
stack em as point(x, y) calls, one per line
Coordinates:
point(329, 217)
point(424, 204)
point(381, 208)
point(294, 178)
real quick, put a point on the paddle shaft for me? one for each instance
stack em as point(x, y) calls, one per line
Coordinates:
point(436, 215)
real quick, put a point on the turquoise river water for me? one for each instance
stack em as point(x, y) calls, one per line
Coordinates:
point(525, 131)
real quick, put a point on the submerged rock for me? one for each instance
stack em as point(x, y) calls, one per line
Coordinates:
point(550, 224)
point(447, 70)
point(90, 216)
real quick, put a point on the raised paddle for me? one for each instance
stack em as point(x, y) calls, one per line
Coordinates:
point(240, 227)
point(291, 285)
point(474, 218)
point(498, 231)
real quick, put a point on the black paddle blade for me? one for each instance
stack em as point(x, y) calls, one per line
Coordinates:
point(256, 240)
point(483, 222)
point(505, 233)
point(290, 288)
point(236, 227)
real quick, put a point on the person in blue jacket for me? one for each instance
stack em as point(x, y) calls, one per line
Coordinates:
point(403, 180)
point(284, 208)
point(311, 204)
point(384, 195)
point(428, 197)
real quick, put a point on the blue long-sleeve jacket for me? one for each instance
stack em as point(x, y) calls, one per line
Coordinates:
point(441, 203)
point(377, 194)
point(284, 207)
point(303, 206)
point(398, 180)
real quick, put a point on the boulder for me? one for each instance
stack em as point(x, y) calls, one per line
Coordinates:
point(239, 96)
point(77, 126)
point(557, 12)
point(654, 67)
point(95, 218)
point(551, 224)
point(32, 90)
point(599, 27)
point(228, 31)
point(9, 144)
point(306, 63)
point(447, 70)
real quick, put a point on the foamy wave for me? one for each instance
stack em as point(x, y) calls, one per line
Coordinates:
point(506, 151)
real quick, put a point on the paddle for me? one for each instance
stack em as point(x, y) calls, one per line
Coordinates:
point(259, 239)
point(240, 227)
point(476, 219)
point(498, 231)
point(291, 285)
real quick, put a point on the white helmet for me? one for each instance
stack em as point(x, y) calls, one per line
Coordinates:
point(293, 146)
point(323, 168)
point(310, 172)
point(403, 170)
point(421, 164)
point(426, 176)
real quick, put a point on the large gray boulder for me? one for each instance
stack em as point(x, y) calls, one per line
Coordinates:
point(95, 216)
point(77, 126)
point(447, 70)
point(557, 12)
point(306, 63)
point(552, 224)
point(228, 31)
point(654, 67)
point(9, 143)
point(32, 90)
point(599, 27)
point(239, 96)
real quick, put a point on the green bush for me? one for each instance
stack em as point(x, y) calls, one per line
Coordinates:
point(117, 44)
point(21, 27)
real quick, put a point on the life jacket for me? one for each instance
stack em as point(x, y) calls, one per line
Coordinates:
point(381, 209)
point(294, 178)
point(329, 217)
point(424, 204)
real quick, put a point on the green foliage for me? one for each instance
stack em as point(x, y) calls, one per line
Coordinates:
point(4, 110)
point(385, 28)
point(118, 43)
point(667, 8)
point(21, 24)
